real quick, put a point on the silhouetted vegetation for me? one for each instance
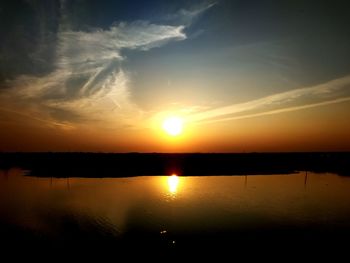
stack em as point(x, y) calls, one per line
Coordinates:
point(135, 164)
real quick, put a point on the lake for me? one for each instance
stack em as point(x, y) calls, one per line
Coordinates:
point(174, 215)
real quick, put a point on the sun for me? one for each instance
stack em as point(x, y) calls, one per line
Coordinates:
point(173, 126)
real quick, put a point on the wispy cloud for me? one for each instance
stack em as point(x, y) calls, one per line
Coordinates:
point(31, 116)
point(89, 80)
point(334, 91)
point(187, 16)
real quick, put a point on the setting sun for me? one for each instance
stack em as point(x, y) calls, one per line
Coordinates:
point(173, 126)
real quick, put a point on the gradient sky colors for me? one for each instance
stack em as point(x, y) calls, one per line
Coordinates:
point(243, 75)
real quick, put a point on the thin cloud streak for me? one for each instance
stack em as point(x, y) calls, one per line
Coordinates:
point(48, 122)
point(187, 16)
point(331, 92)
point(296, 108)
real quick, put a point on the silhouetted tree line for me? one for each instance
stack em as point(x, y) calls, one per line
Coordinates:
point(134, 164)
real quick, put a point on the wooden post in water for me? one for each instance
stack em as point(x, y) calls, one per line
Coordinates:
point(305, 179)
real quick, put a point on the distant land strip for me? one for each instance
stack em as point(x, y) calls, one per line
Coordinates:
point(182, 164)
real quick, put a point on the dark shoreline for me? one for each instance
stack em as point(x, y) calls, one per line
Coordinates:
point(184, 164)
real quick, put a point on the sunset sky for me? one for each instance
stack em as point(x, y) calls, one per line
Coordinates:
point(241, 76)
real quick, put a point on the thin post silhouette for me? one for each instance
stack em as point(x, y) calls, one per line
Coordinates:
point(305, 179)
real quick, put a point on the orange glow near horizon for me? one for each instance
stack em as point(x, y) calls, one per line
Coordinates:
point(317, 129)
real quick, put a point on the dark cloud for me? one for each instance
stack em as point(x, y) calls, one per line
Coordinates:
point(28, 37)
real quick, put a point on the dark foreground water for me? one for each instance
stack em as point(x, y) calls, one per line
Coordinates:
point(169, 216)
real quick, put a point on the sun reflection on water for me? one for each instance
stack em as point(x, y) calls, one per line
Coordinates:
point(173, 183)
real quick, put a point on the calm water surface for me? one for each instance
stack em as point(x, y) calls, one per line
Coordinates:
point(171, 209)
